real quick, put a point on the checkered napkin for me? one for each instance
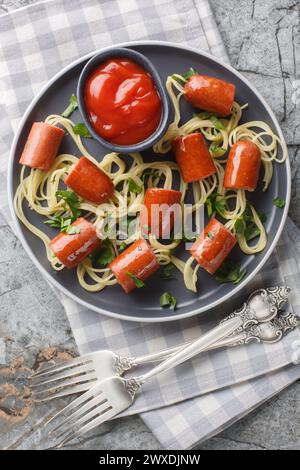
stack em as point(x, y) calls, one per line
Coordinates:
point(200, 398)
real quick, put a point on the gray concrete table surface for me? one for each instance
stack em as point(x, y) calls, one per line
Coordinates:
point(262, 38)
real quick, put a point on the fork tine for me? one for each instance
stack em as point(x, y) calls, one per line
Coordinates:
point(107, 415)
point(58, 367)
point(69, 391)
point(91, 392)
point(85, 408)
point(64, 375)
point(68, 382)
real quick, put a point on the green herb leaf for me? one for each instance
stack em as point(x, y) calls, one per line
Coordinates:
point(65, 223)
point(217, 150)
point(82, 130)
point(133, 187)
point(138, 282)
point(60, 221)
point(279, 202)
point(150, 172)
point(210, 235)
point(71, 230)
point(123, 246)
point(105, 254)
point(167, 272)
point(263, 217)
point(215, 202)
point(71, 108)
point(184, 76)
point(54, 222)
point(246, 225)
point(216, 122)
point(230, 271)
point(72, 201)
point(189, 74)
point(251, 232)
point(240, 225)
point(168, 300)
point(203, 115)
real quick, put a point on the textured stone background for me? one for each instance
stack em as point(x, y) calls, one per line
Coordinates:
point(263, 41)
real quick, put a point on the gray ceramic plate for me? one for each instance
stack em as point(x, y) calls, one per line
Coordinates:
point(143, 304)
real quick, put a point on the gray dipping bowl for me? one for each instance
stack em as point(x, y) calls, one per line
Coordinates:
point(146, 64)
point(143, 304)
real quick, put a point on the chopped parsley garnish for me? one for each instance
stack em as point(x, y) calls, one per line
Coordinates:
point(240, 225)
point(133, 187)
point(105, 254)
point(210, 235)
point(167, 272)
point(246, 225)
point(71, 230)
point(230, 271)
point(59, 221)
point(168, 300)
point(189, 73)
point(123, 246)
point(63, 221)
point(252, 231)
point(212, 117)
point(215, 150)
point(150, 172)
point(185, 76)
point(215, 203)
point(203, 115)
point(82, 130)
point(71, 107)
point(72, 201)
point(216, 122)
point(279, 202)
point(138, 282)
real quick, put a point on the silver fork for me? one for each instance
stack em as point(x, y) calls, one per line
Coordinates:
point(80, 374)
point(112, 396)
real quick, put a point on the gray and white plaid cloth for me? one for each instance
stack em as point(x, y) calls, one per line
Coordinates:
point(194, 401)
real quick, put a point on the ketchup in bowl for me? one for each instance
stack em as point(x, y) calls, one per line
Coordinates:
point(122, 102)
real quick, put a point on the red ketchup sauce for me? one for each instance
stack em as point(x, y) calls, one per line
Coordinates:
point(122, 102)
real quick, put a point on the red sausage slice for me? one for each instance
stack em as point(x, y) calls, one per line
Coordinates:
point(213, 246)
point(139, 260)
point(91, 183)
point(242, 168)
point(210, 94)
point(41, 146)
point(72, 249)
point(193, 157)
point(157, 215)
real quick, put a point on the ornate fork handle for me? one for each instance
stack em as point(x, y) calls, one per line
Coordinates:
point(269, 332)
point(261, 306)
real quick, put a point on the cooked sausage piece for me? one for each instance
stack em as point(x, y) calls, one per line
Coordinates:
point(90, 182)
point(193, 157)
point(73, 248)
point(213, 246)
point(210, 94)
point(41, 146)
point(137, 261)
point(242, 167)
point(157, 215)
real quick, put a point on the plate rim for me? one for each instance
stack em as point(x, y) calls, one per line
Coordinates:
point(60, 287)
